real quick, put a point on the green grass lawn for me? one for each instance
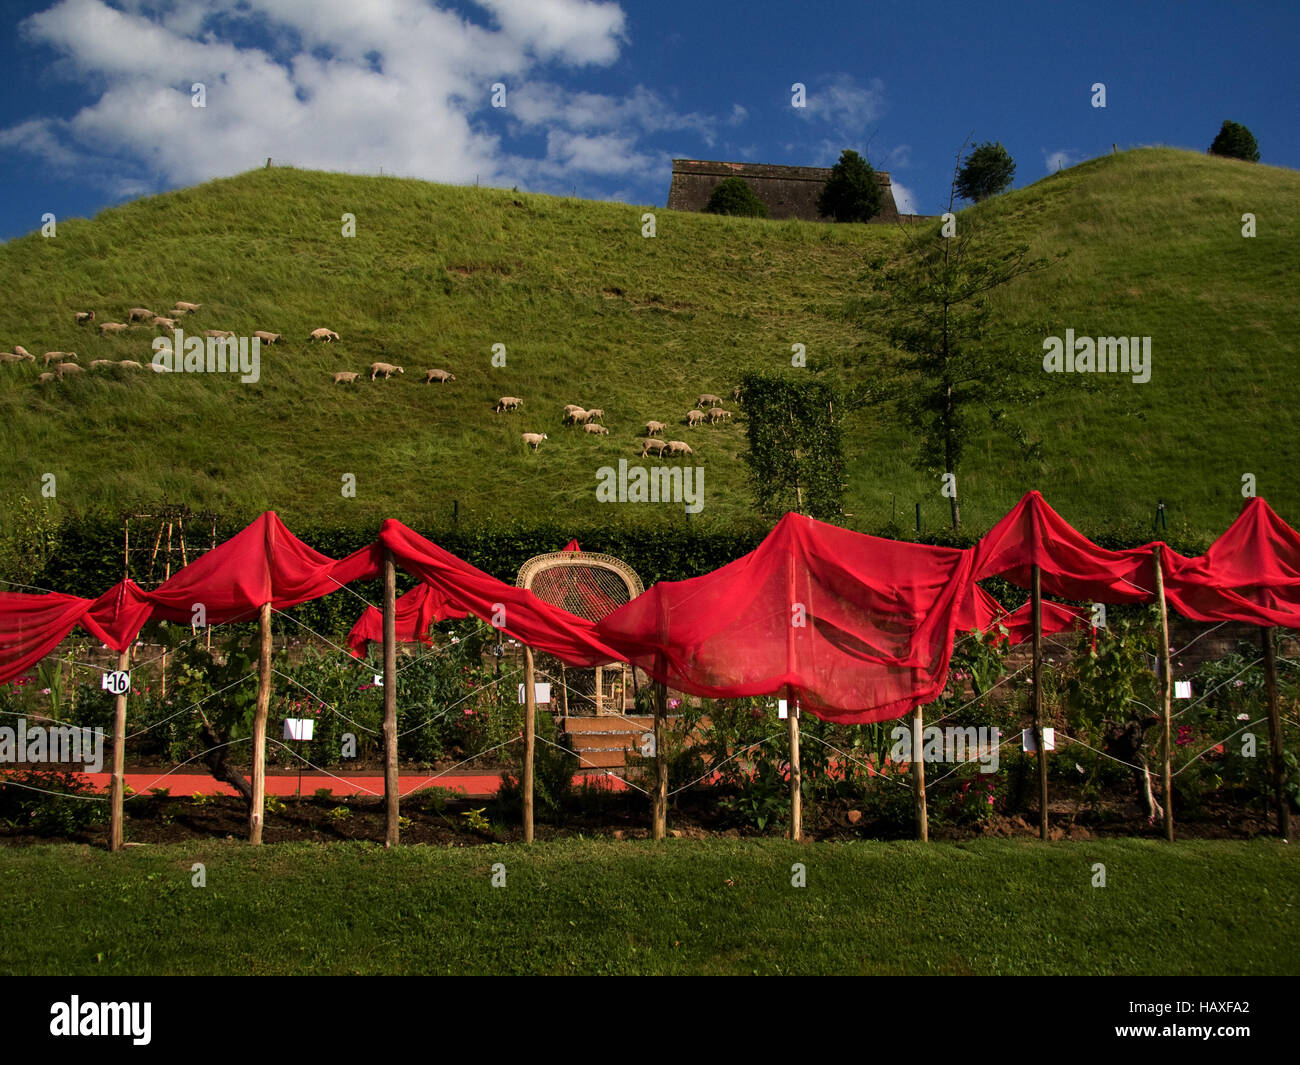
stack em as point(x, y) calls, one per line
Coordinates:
point(685, 906)
point(592, 312)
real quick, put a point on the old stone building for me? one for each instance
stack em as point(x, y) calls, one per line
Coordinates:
point(787, 191)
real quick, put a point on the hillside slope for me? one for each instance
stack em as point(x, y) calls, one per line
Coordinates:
point(592, 312)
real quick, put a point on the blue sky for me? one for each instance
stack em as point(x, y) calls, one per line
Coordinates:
point(97, 105)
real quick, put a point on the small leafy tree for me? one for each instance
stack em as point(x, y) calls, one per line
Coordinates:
point(795, 457)
point(1235, 141)
point(734, 196)
point(987, 171)
point(851, 193)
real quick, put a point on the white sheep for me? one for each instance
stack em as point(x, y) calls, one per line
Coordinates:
point(323, 334)
point(165, 323)
point(572, 407)
point(655, 428)
point(717, 414)
point(385, 368)
point(598, 429)
point(67, 368)
point(694, 418)
point(23, 353)
point(709, 400)
point(441, 376)
point(576, 417)
point(346, 377)
point(533, 440)
point(130, 364)
point(595, 414)
point(59, 356)
point(218, 333)
point(508, 403)
point(9, 356)
point(187, 308)
point(95, 364)
point(45, 378)
point(84, 317)
point(657, 446)
point(139, 314)
point(679, 447)
point(112, 327)
point(265, 337)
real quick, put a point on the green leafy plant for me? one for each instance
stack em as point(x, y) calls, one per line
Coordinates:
point(852, 192)
point(987, 171)
point(734, 196)
point(1235, 141)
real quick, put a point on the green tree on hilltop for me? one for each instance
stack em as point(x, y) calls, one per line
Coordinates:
point(733, 196)
point(1235, 141)
point(851, 193)
point(987, 171)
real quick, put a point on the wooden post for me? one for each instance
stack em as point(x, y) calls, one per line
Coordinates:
point(392, 829)
point(119, 759)
point(259, 727)
point(1036, 606)
point(921, 814)
point(600, 683)
point(1275, 734)
point(1166, 692)
point(167, 572)
point(660, 823)
point(796, 773)
point(530, 740)
point(564, 690)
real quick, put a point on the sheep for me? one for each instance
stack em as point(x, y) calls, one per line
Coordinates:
point(576, 416)
point(694, 418)
point(323, 334)
point(112, 327)
point(385, 368)
point(598, 429)
point(218, 333)
point(130, 364)
point(267, 338)
point(736, 392)
point(68, 367)
point(595, 414)
point(139, 314)
point(657, 446)
point(97, 363)
point(45, 378)
point(346, 377)
point(9, 356)
point(159, 368)
point(717, 414)
point(187, 308)
point(655, 428)
point(679, 447)
point(508, 403)
point(569, 407)
point(166, 323)
point(23, 353)
point(83, 317)
point(533, 440)
point(59, 356)
point(441, 376)
point(709, 400)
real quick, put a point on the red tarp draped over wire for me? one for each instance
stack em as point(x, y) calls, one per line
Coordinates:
point(858, 627)
point(417, 611)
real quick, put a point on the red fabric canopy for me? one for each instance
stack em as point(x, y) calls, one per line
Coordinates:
point(417, 611)
point(858, 628)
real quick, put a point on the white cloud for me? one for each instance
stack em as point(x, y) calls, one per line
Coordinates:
point(904, 198)
point(1059, 159)
point(842, 103)
point(339, 85)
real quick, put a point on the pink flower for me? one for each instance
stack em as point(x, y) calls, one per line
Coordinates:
point(990, 800)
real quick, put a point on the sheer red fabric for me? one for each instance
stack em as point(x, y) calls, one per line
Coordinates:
point(416, 612)
point(858, 628)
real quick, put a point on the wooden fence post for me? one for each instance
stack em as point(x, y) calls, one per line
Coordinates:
point(530, 740)
point(1166, 692)
point(796, 773)
point(392, 827)
point(115, 834)
point(659, 827)
point(1036, 607)
point(920, 812)
point(259, 727)
point(1275, 734)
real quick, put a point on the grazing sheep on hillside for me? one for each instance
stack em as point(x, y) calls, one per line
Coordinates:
point(599, 429)
point(139, 314)
point(595, 414)
point(717, 414)
point(508, 403)
point(323, 334)
point(95, 364)
point(112, 327)
point(23, 353)
point(130, 364)
point(533, 439)
point(187, 308)
point(679, 447)
point(157, 368)
point(694, 418)
point(67, 368)
point(655, 428)
point(709, 400)
point(59, 356)
point(657, 446)
point(346, 377)
point(265, 337)
point(572, 407)
point(218, 333)
point(577, 416)
point(441, 376)
point(385, 368)
point(9, 356)
point(45, 378)
point(83, 317)
point(164, 323)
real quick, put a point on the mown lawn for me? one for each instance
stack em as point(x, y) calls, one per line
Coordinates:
point(685, 906)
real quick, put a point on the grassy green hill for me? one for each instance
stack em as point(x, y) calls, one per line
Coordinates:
point(592, 312)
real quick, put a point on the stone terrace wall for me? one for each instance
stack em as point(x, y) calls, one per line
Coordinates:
point(786, 191)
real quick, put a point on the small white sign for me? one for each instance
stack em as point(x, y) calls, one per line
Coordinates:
point(117, 682)
point(299, 728)
point(541, 693)
point(379, 680)
point(1182, 689)
point(1028, 744)
point(782, 709)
